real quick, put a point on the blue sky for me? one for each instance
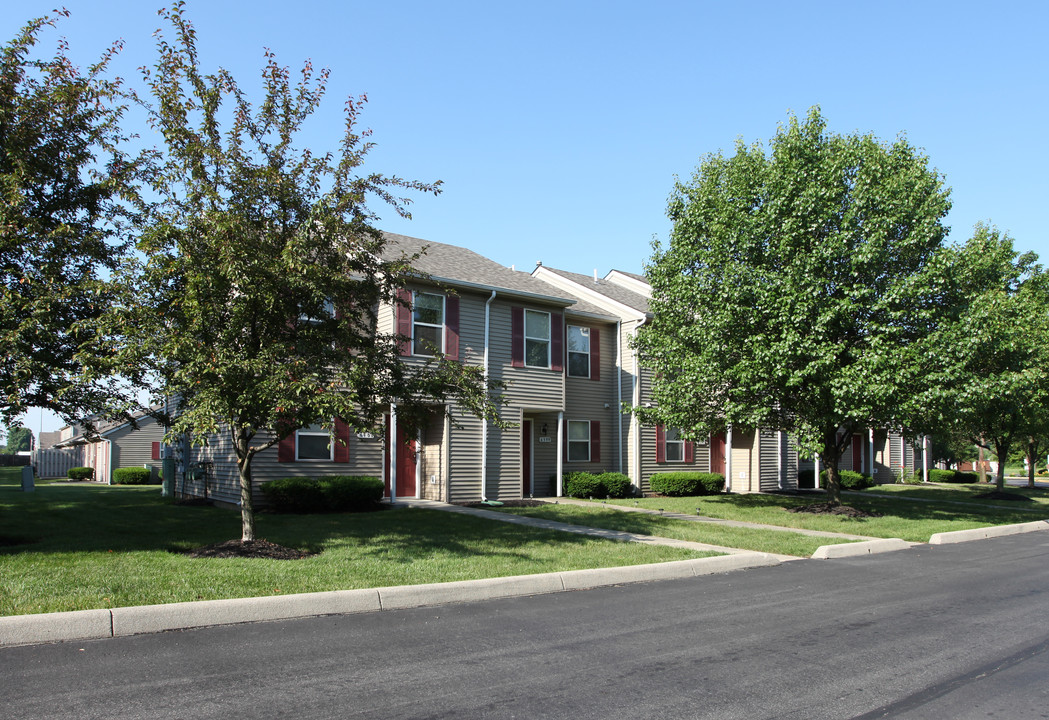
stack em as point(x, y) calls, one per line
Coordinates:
point(558, 128)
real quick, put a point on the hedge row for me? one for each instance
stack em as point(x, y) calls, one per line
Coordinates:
point(335, 493)
point(131, 476)
point(952, 476)
point(81, 473)
point(589, 485)
point(685, 484)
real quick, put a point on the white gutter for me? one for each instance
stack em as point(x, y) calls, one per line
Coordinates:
point(619, 389)
point(484, 422)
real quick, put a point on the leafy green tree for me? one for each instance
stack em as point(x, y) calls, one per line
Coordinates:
point(792, 288)
point(987, 366)
point(19, 439)
point(63, 176)
point(255, 307)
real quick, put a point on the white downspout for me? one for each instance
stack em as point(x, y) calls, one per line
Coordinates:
point(418, 466)
point(109, 461)
point(816, 472)
point(728, 459)
point(870, 458)
point(619, 389)
point(393, 453)
point(484, 421)
point(925, 458)
point(560, 452)
point(779, 457)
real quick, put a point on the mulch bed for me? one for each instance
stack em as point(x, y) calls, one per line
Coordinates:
point(828, 508)
point(248, 549)
point(1000, 495)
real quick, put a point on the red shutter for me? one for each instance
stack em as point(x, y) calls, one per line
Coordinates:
point(155, 451)
point(661, 444)
point(595, 354)
point(451, 327)
point(286, 449)
point(342, 441)
point(595, 441)
point(517, 337)
point(690, 452)
point(557, 342)
point(404, 321)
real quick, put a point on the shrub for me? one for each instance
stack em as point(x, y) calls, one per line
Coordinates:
point(685, 484)
point(616, 485)
point(937, 475)
point(335, 493)
point(583, 485)
point(351, 493)
point(294, 495)
point(81, 473)
point(131, 476)
point(966, 477)
point(849, 479)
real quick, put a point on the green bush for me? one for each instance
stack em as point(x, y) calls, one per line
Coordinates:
point(686, 484)
point(81, 473)
point(351, 493)
point(849, 479)
point(131, 476)
point(966, 477)
point(335, 493)
point(937, 475)
point(616, 485)
point(583, 485)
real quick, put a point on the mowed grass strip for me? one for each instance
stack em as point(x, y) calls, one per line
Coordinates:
point(969, 493)
point(770, 541)
point(84, 547)
point(912, 521)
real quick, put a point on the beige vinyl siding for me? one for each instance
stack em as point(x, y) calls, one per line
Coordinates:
point(770, 455)
point(745, 476)
point(432, 460)
point(464, 459)
point(789, 459)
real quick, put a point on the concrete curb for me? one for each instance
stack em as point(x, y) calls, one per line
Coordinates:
point(958, 536)
point(871, 547)
point(125, 621)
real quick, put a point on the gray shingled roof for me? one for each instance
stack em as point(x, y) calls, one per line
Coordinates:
point(455, 265)
point(642, 278)
point(610, 290)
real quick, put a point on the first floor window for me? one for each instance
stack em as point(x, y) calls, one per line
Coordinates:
point(313, 443)
point(578, 441)
point(675, 446)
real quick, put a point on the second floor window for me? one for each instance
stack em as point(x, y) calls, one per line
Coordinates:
point(427, 324)
point(578, 351)
point(537, 338)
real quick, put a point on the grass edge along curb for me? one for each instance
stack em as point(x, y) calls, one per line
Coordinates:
point(119, 622)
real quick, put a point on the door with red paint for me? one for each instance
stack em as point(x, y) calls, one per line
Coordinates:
point(407, 458)
point(717, 453)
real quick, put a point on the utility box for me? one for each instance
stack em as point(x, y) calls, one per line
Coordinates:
point(167, 471)
point(28, 484)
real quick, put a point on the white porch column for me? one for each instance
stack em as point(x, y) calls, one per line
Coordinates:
point(870, 457)
point(393, 453)
point(816, 471)
point(925, 458)
point(560, 452)
point(728, 459)
point(779, 457)
point(419, 466)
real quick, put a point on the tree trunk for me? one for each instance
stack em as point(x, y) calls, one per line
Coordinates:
point(1032, 450)
point(979, 466)
point(832, 457)
point(247, 506)
point(1001, 448)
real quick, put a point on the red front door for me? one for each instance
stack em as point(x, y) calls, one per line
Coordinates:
point(407, 457)
point(717, 453)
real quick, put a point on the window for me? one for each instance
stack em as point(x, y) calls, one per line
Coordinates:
point(537, 338)
point(313, 443)
point(327, 311)
point(675, 446)
point(578, 441)
point(427, 324)
point(578, 351)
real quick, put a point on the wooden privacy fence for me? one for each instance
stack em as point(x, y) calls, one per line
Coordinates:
point(56, 462)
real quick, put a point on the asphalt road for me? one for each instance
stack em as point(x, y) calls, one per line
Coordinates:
point(954, 631)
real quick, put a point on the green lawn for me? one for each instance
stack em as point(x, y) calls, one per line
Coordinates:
point(957, 492)
point(781, 543)
point(913, 521)
point(83, 546)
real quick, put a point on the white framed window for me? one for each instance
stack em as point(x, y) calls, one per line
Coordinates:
point(427, 324)
point(578, 351)
point(674, 446)
point(579, 441)
point(327, 312)
point(314, 443)
point(537, 338)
